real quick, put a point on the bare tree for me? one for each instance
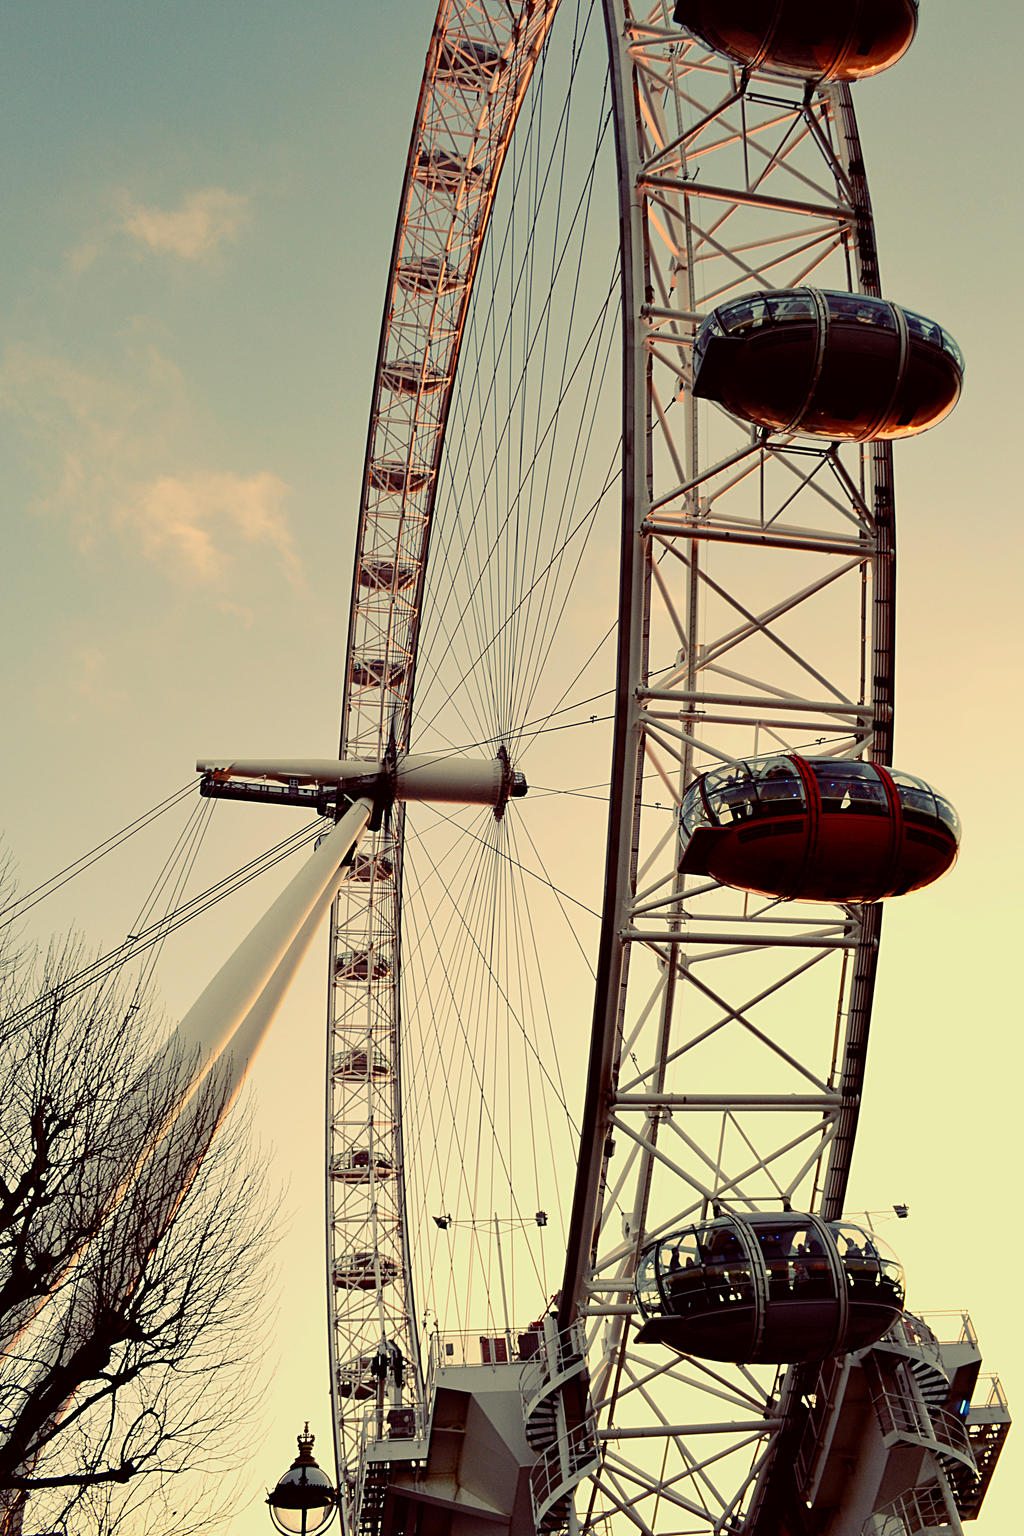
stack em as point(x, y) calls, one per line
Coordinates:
point(132, 1256)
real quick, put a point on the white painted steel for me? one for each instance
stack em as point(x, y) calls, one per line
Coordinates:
point(217, 1039)
point(448, 780)
point(756, 615)
point(728, 575)
point(265, 961)
point(460, 136)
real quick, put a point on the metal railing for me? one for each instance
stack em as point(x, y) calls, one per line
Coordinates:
point(915, 1332)
point(390, 1424)
point(949, 1333)
point(557, 1359)
point(563, 1465)
point(995, 1398)
point(905, 1416)
point(820, 1408)
point(466, 1348)
point(919, 1509)
point(382, 1429)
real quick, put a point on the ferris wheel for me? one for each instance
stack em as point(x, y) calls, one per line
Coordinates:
point(595, 1058)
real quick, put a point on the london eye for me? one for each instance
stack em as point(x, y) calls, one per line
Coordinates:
point(618, 753)
point(703, 376)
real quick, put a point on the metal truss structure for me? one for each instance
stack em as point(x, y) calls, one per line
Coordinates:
point(478, 67)
point(730, 1039)
point(755, 615)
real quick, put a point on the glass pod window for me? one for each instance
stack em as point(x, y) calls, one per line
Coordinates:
point(850, 786)
point(858, 1256)
point(873, 1271)
point(810, 1273)
point(712, 326)
point(725, 1267)
point(647, 1292)
point(915, 796)
point(691, 812)
point(793, 1254)
point(731, 794)
point(923, 329)
point(780, 789)
point(948, 816)
point(861, 308)
point(920, 801)
point(785, 308)
point(950, 346)
point(772, 787)
point(683, 1275)
point(744, 315)
point(893, 1284)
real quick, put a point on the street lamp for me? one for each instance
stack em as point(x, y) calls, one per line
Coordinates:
point(303, 1501)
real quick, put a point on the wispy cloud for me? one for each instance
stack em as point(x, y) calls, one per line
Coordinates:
point(89, 432)
point(202, 223)
point(109, 450)
point(192, 521)
point(84, 255)
point(90, 671)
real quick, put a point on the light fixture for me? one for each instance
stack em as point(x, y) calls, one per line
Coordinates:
point(303, 1501)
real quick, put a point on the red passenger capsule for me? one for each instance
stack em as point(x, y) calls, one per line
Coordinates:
point(468, 64)
point(411, 378)
point(358, 1272)
point(768, 1289)
point(817, 829)
point(398, 478)
point(811, 40)
point(427, 275)
point(378, 672)
point(359, 1063)
point(386, 575)
point(356, 1379)
point(839, 365)
point(357, 1167)
point(361, 965)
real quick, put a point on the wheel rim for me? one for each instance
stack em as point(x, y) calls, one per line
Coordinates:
point(812, 658)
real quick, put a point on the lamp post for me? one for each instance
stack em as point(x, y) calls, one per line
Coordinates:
point(304, 1500)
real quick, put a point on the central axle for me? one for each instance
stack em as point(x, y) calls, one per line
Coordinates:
point(327, 784)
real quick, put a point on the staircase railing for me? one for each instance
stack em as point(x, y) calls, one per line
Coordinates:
point(917, 1510)
point(904, 1416)
point(563, 1465)
point(559, 1357)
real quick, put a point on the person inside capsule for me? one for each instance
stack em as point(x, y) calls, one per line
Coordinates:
point(768, 1288)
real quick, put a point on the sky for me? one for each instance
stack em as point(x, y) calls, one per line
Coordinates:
point(199, 208)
